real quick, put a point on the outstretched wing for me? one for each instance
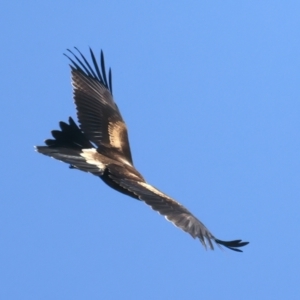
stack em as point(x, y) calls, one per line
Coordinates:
point(175, 213)
point(98, 114)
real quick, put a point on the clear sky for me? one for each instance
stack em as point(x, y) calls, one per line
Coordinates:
point(210, 94)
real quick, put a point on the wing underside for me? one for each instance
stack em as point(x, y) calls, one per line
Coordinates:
point(176, 213)
point(98, 115)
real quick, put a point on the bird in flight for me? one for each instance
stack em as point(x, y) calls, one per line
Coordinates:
point(99, 145)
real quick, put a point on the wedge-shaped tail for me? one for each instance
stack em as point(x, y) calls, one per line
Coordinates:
point(70, 145)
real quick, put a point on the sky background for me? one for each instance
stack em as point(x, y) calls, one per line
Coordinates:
point(210, 94)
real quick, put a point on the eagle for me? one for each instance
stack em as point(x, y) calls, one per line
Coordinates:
point(100, 146)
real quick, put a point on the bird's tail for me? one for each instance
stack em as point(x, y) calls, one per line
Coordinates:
point(71, 146)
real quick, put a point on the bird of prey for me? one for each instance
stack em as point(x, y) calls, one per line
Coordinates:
point(99, 145)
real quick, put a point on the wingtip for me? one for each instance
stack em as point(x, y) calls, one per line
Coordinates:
point(232, 245)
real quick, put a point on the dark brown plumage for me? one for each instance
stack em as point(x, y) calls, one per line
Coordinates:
point(100, 146)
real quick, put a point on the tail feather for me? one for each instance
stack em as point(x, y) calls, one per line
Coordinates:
point(69, 136)
point(67, 146)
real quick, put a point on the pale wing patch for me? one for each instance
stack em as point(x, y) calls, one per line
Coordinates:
point(125, 161)
point(155, 191)
point(115, 130)
point(91, 156)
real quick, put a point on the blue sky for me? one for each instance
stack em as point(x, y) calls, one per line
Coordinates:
point(210, 94)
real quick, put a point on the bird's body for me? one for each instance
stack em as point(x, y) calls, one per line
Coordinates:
point(100, 146)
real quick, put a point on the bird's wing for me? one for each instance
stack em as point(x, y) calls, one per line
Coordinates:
point(98, 114)
point(175, 213)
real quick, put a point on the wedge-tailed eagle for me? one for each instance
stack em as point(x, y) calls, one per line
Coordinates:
point(99, 145)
